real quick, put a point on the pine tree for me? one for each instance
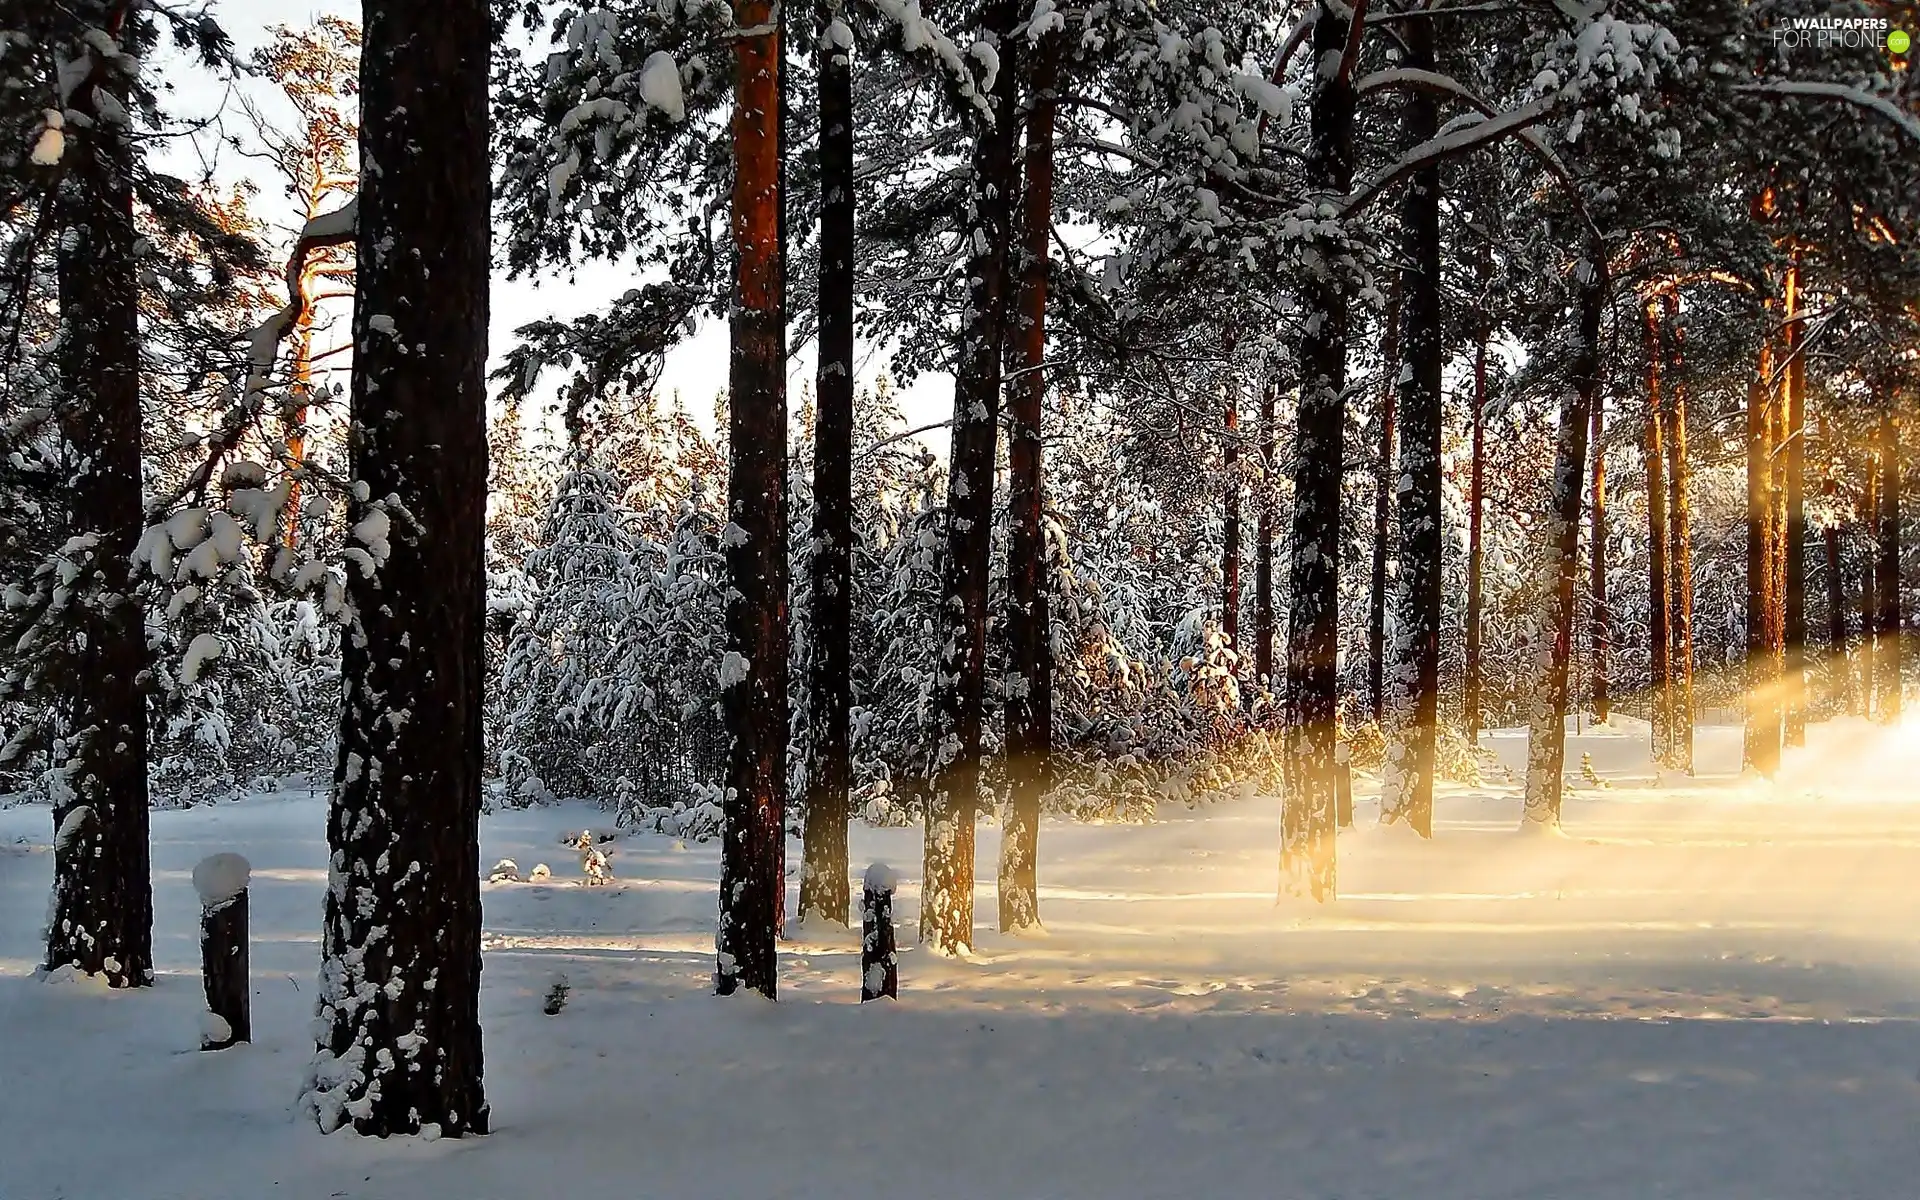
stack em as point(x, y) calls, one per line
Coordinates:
point(946, 913)
point(1029, 711)
point(1307, 823)
point(1476, 550)
point(1407, 786)
point(398, 1022)
point(753, 674)
point(1559, 560)
point(1660, 589)
point(1680, 540)
point(101, 917)
point(824, 888)
point(1761, 751)
point(1886, 569)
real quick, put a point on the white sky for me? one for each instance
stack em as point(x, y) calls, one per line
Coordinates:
point(697, 368)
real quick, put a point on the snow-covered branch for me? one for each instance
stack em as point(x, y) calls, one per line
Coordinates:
point(1448, 145)
point(1858, 97)
point(1434, 81)
point(263, 341)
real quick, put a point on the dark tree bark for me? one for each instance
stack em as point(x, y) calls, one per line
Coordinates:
point(1029, 715)
point(1263, 548)
point(1476, 554)
point(1680, 530)
point(1761, 747)
point(1659, 579)
point(1793, 563)
point(1560, 564)
point(1230, 526)
point(1407, 791)
point(400, 977)
point(1887, 624)
point(946, 907)
point(753, 697)
point(1838, 693)
point(1600, 627)
point(1313, 625)
point(100, 920)
point(1383, 496)
point(824, 890)
point(1869, 581)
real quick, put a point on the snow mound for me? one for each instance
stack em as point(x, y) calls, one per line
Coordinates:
point(220, 877)
point(881, 878)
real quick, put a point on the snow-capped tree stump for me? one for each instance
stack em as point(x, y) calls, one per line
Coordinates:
point(879, 966)
point(221, 880)
point(1343, 793)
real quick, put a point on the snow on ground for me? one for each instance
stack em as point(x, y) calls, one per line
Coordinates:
point(1710, 991)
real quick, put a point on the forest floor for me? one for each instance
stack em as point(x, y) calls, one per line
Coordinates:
point(1708, 989)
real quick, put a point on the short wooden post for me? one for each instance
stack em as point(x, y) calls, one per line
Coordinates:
point(879, 965)
point(221, 880)
point(1343, 792)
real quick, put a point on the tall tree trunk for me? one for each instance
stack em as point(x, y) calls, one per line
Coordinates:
point(946, 907)
point(1029, 712)
point(101, 916)
point(1559, 569)
point(753, 697)
point(1600, 629)
point(1230, 526)
point(1476, 505)
point(1680, 560)
point(1869, 580)
point(303, 390)
point(1383, 497)
point(1313, 619)
point(1836, 666)
point(1263, 549)
point(1762, 739)
point(399, 1015)
point(1886, 655)
point(1794, 561)
point(1407, 789)
point(1659, 577)
point(824, 889)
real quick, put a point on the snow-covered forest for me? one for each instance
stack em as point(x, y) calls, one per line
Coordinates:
point(1390, 457)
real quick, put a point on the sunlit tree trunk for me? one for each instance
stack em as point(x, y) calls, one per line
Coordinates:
point(1680, 529)
point(1407, 786)
point(1559, 560)
point(1313, 625)
point(399, 1004)
point(1383, 495)
point(1263, 549)
point(1659, 578)
point(824, 890)
point(100, 919)
point(1793, 566)
point(1869, 579)
point(753, 697)
point(1762, 739)
point(1476, 505)
point(946, 907)
point(1029, 710)
point(1600, 629)
point(1887, 651)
